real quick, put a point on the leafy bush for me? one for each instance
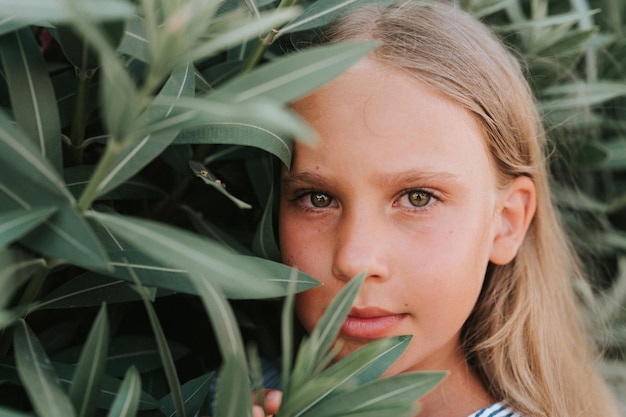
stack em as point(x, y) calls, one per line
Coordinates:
point(109, 232)
point(138, 146)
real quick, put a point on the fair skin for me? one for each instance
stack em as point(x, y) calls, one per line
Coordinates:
point(400, 185)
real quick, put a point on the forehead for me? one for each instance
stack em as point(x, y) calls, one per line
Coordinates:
point(382, 116)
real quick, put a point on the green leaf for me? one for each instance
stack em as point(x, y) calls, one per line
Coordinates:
point(126, 403)
point(165, 353)
point(323, 12)
point(314, 355)
point(15, 269)
point(222, 319)
point(32, 11)
point(125, 351)
point(87, 381)
point(212, 231)
point(581, 96)
point(5, 412)
point(65, 234)
point(39, 378)
point(288, 78)
point(233, 396)
point(15, 223)
point(20, 157)
point(32, 96)
point(10, 24)
point(134, 42)
point(244, 134)
point(236, 275)
point(377, 396)
point(132, 160)
point(88, 290)
point(261, 173)
point(194, 392)
point(77, 177)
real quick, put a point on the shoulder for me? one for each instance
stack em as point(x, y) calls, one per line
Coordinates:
point(495, 410)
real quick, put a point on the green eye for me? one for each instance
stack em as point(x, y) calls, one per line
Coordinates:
point(419, 198)
point(320, 200)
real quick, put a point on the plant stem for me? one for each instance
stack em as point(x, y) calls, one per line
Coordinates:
point(268, 39)
point(77, 135)
point(112, 152)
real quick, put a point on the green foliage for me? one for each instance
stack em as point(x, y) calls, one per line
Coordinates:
point(123, 276)
point(139, 142)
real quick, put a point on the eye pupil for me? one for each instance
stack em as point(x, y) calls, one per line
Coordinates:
point(320, 200)
point(419, 198)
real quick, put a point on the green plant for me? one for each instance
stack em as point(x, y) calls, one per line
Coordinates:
point(107, 230)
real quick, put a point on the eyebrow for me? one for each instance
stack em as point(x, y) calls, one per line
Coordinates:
point(411, 176)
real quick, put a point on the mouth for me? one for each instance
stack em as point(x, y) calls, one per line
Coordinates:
point(370, 323)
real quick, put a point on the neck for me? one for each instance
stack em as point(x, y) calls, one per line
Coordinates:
point(458, 395)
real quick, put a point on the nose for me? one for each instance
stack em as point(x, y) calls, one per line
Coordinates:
point(361, 245)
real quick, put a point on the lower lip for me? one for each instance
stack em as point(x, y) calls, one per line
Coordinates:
point(370, 327)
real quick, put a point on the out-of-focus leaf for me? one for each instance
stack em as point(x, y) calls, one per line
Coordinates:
point(238, 30)
point(375, 397)
point(88, 290)
point(233, 394)
point(126, 402)
point(560, 19)
point(32, 97)
point(212, 231)
point(286, 79)
point(87, 381)
point(236, 275)
point(15, 269)
point(32, 11)
point(134, 42)
point(165, 353)
point(125, 351)
point(65, 234)
point(39, 378)
point(194, 393)
point(592, 155)
point(261, 173)
point(133, 159)
point(78, 52)
point(16, 223)
point(323, 12)
point(77, 178)
point(9, 24)
point(20, 157)
point(582, 95)
point(313, 355)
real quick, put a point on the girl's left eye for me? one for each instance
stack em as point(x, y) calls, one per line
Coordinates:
point(416, 199)
point(419, 198)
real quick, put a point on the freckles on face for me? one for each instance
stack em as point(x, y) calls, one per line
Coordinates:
point(399, 185)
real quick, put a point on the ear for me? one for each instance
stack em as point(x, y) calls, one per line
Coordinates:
point(516, 207)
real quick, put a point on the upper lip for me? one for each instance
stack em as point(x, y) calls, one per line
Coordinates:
point(370, 312)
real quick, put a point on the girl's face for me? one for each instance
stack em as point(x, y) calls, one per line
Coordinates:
point(400, 185)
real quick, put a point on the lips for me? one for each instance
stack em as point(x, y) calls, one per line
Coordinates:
point(370, 323)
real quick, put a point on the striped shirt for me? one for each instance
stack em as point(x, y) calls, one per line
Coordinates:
point(495, 410)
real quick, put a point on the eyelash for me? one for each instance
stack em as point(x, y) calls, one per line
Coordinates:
point(308, 205)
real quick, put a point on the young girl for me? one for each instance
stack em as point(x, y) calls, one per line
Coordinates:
point(430, 174)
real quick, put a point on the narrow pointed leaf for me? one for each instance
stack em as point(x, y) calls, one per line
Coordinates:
point(126, 403)
point(244, 134)
point(289, 78)
point(16, 223)
point(235, 274)
point(131, 161)
point(165, 353)
point(194, 392)
point(39, 378)
point(233, 396)
point(20, 157)
point(15, 269)
point(323, 12)
point(377, 395)
point(134, 42)
point(55, 10)
point(32, 96)
point(205, 175)
point(87, 380)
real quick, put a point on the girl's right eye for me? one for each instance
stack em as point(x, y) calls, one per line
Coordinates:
point(320, 200)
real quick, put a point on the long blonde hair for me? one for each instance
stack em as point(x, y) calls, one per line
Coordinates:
point(525, 338)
